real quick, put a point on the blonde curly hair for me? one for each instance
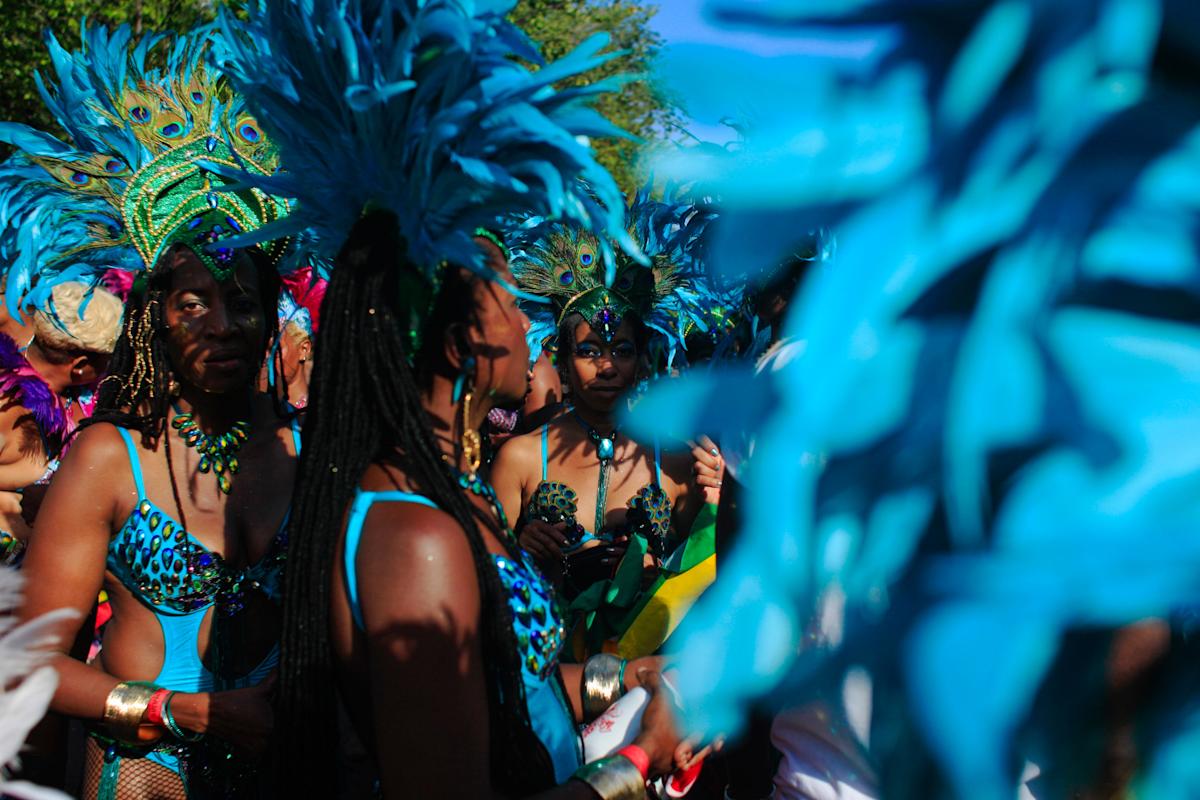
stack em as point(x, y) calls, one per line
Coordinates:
point(80, 317)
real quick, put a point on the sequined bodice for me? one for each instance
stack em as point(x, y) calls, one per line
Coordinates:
point(172, 572)
point(649, 511)
point(536, 621)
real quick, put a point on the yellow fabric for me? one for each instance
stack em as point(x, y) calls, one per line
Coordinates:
point(665, 609)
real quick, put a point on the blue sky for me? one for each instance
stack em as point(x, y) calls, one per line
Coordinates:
point(681, 21)
point(683, 26)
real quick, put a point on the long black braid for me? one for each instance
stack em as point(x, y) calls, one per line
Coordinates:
point(365, 407)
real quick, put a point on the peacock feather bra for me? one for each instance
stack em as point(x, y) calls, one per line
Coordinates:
point(137, 169)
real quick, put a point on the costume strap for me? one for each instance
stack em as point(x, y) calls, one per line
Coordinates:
point(657, 462)
point(296, 434)
point(358, 515)
point(134, 464)
point(545, 450)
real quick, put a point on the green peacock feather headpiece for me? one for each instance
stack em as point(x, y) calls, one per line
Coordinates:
point(135, 173)
point(561, 265)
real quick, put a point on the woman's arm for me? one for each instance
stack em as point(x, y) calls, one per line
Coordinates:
point(64, 566)
point(420, 600)
point(509, 476)
point(516, 468)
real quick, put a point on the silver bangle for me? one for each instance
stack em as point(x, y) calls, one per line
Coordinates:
point(602, 684)
point(613, 778)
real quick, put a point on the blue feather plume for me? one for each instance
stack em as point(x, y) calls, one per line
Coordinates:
point(421, 107)
point(984, 444)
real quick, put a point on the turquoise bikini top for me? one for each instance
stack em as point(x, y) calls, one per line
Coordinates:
point(171, 571)
point(536, 623)
point(649, 509)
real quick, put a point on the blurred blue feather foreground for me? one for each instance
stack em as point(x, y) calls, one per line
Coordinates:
point(1001, 376)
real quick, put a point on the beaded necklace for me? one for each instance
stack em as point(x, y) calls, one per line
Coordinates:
point(218, 452)
point(606, 450)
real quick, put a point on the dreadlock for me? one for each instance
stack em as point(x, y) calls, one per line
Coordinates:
point(136, 393)
point(365, 407)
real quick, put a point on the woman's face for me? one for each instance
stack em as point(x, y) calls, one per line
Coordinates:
point(501, 352)
point(216, 330)
point(601, 373)
point(295, 349)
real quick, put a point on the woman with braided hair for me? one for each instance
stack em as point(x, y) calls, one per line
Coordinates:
point(406, 591)
point(419, 625)
point(175, 496)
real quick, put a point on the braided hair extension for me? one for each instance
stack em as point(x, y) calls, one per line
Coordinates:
point(365, 407)
point(136, 393)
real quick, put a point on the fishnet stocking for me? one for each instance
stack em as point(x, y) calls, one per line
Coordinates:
point(138, 779)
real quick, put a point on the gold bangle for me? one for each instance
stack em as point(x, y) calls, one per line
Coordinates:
point(601, 684)
point(613, 778)
point(126, 705)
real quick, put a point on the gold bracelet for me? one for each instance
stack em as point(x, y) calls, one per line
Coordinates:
point(613, 778)
point(602, 685)
point(125, 707)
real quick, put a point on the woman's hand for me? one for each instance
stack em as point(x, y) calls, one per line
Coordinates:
point(658, 736)
point(11, 518)
point(708, 468)
point(635, 666)
point(545, 542)
point(242, 717)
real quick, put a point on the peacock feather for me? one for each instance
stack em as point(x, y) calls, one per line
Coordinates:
point(560, 264)
point(132, 171)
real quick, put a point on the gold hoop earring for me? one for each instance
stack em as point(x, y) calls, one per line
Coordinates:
point(472, 443)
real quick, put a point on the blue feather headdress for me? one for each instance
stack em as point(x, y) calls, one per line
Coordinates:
point(423, 108)
point(128, 178)
point(985, 449)
point(560, 263)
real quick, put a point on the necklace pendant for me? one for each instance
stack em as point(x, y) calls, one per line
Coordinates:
point(605, 449)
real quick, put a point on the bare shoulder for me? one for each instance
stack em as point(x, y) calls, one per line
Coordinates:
point(415, 564)
point(521, 452)
point(99, 446)
point(677, 466)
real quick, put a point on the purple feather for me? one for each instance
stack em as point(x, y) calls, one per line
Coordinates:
point(21, 384)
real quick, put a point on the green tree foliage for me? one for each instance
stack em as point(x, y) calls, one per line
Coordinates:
point(23, 50)
point(557, 25)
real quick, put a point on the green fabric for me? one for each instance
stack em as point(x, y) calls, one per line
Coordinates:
point(108, 778)
point(608, 608)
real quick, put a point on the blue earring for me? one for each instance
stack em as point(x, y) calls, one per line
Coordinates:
point(460, 382)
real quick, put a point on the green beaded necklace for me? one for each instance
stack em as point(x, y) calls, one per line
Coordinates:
point(218, 453)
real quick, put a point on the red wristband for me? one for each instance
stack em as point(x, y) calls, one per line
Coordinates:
point(639, 758)
point(154, 709)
